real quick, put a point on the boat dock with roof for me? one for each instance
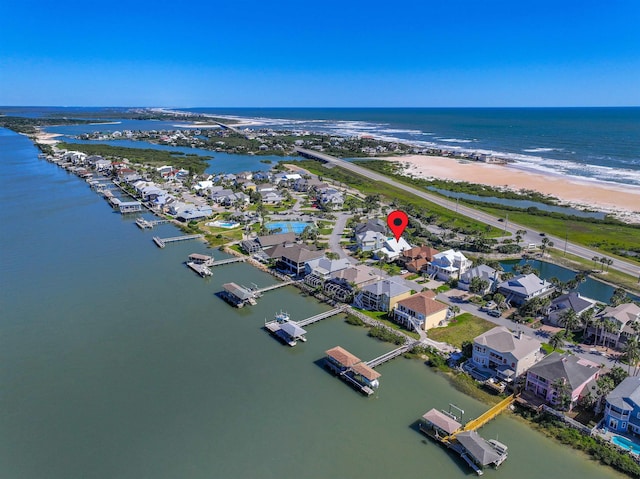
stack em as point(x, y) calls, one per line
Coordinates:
point(352, 370)
point(237, 295)
point(290, 332)
point(287, 331)
point(476, 451)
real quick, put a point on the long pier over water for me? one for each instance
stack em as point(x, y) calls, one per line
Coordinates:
point(161, 242)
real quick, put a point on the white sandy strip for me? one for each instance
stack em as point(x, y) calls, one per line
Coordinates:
point(621, 200)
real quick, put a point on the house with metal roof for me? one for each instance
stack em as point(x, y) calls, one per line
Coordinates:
point(523, 288)
point(572, 300)
point(622, 407)
point(438, 424)
point(559, 374)
point(503, 354)
point(420, 311)
point(382, 295)
point(481, 451)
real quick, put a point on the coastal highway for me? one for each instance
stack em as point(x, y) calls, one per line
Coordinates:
point(532, 237)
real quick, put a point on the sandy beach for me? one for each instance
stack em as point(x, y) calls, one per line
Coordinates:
point(47, 138)
point(623, 201)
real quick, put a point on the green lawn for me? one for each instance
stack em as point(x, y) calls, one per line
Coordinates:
point(465, 327)
point(382, 317)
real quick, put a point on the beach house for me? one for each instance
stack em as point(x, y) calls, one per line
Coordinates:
point(622, 407)
point(417, 259)
point(503, 354)
point(559, 380)
point(523, 288)
point(614, 324)
point(382, 295)
point(483, 273)
point(420, 311)
point(449, 264)
point(572, 301)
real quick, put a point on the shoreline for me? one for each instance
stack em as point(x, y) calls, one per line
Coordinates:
point(618, 200)
point(621, 201)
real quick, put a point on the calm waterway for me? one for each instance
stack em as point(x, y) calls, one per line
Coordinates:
point(117, 361)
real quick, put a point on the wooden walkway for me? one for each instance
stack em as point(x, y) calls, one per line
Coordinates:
point(220, 262)
point(488, 415)
point(321, 316)
point(390, 355)
point(161, 242)
point(259, 291)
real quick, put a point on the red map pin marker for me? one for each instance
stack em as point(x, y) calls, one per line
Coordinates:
point(397, 221)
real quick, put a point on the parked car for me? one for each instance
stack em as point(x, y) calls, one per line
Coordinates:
point(489, 306)
point(495, 313)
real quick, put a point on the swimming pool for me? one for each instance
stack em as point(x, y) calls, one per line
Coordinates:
point(223, 224)
point(627, 444)
point(296, 227)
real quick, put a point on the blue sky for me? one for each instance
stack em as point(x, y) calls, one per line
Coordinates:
point(330, 53)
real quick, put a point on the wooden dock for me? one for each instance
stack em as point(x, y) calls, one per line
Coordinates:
point(321, 316)
point(220, 262)
point(390, 355)
point(259, 291)
point(147, 224)
point(161, 242)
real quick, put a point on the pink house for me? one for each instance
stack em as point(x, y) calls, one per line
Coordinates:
point(561, 375)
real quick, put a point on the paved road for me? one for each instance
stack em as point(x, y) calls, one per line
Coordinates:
point(336, 236)
point(581, 351)
point(507, 226)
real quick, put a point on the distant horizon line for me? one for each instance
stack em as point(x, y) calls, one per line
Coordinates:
point(325, 107)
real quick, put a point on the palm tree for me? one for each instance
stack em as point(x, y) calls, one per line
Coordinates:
point(608, 326)
point(543, 246)
point(588, 319)
point(563, 390)
point(570, 320)
point(499, 299)
point(595, 260)
point(455, 310)
point(602, 260)
point(632, 353)
point(609, 263)
point(557, 340)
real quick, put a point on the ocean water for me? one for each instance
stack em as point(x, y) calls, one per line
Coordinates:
point(592, 143)
point(599, 144)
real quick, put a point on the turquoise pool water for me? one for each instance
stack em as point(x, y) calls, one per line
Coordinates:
point(296, 227)
point(626, 444)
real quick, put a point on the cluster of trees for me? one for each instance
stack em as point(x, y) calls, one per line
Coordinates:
point(603, 261)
